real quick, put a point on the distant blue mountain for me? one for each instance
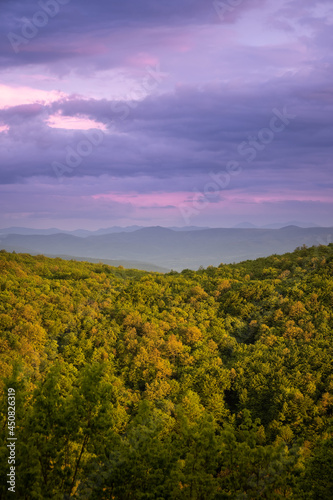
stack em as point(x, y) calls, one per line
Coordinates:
point(277, 225)
point(172, 249)
point(85, 232)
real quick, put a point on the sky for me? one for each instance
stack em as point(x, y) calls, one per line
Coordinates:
point(170, 113)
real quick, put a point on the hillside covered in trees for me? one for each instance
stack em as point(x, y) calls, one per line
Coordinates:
point(208, 384)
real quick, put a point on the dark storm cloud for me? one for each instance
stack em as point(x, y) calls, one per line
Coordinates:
point(49, 31)
point(76, 15)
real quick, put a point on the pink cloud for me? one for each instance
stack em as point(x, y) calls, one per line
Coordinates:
point(142, 60)
point(150, 200)
point(73, 123)
point(278, 197)
point(16, 96)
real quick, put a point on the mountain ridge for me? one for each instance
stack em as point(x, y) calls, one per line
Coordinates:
point(170, 249)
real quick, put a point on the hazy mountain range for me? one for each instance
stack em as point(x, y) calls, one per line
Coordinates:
point(129, 229)
point(83, 233)
point(157, 248)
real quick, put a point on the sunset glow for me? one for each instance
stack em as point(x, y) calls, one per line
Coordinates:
point(137, 111)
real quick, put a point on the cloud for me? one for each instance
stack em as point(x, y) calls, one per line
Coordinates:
point(185, 133)
point(104, 35)
point(73, 123)
point(125, 141)
point(11, 96)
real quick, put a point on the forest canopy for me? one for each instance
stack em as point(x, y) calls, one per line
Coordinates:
point(208, 384)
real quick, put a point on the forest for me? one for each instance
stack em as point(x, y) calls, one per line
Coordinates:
point(200, 385)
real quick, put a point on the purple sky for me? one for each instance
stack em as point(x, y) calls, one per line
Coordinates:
point(165, 113)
